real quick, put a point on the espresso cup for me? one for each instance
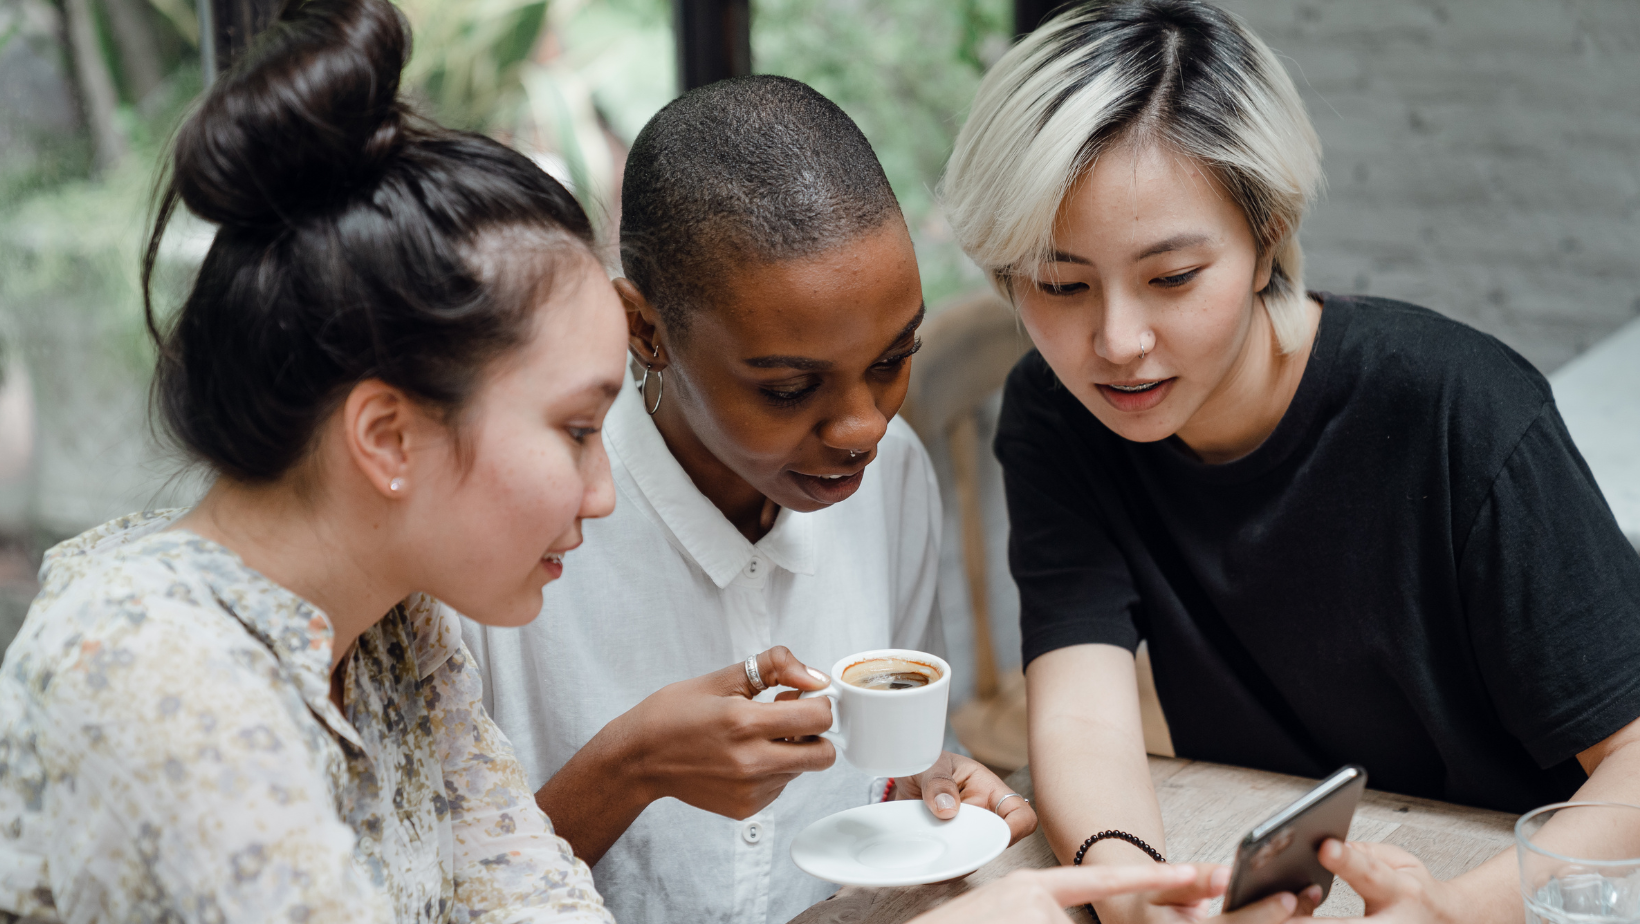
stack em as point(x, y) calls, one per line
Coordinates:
point(898, 730)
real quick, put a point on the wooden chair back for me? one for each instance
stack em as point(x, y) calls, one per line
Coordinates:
point(969, 346)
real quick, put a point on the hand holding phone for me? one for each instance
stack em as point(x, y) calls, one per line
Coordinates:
point(1280, 854)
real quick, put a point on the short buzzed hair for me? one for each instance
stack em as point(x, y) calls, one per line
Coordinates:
point(752, 169)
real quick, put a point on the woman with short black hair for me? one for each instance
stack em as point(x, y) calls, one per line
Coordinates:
point(1350, 529)
point(771, 508)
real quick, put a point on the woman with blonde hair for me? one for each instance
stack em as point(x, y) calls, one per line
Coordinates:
point(1351, 530)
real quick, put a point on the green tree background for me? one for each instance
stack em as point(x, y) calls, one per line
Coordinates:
point(568, 81)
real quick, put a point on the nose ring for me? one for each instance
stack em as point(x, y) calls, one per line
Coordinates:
point(854, 455)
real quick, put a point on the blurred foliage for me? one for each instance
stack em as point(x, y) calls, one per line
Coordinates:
point(561, 81)
point(557, 80)
point(906, 71)
point(70, 242)
point(625, 53)
point(184, 19)
point(76, 244)
point(468, 57)
point(569, 82)
point(553, 79)
point(41, 148)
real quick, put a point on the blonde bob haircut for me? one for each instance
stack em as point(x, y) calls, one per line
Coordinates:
point(1179, 74)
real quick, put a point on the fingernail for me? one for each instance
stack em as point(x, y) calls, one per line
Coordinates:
point(1221, 877)
point(945, 802)
point(1313, 894)
point(819, 676)
point(1288, 901)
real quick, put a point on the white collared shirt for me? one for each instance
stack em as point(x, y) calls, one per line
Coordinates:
point(666, 589)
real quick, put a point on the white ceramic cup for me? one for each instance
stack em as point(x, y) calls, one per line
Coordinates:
point(888, 732)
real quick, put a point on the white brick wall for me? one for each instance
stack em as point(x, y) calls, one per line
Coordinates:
point(1483, 157)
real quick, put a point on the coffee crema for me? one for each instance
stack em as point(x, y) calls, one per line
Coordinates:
point(890, 674)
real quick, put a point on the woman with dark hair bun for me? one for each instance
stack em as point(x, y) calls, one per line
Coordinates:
point(396, 358)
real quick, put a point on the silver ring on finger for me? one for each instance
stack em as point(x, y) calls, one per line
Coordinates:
point(1012, 795)
point(758, 686)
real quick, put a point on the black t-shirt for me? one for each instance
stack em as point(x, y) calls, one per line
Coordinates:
point(1415, 572)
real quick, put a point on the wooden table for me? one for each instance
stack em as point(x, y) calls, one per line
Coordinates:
point(1207, 809)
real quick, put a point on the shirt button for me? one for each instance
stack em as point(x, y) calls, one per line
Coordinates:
point(752, 832)
point(752, 568)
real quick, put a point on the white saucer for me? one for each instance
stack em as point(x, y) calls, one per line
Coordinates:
point(898, 843)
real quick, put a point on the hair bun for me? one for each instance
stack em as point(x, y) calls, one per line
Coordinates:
point(309, 116)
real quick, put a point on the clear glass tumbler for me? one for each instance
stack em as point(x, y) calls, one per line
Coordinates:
point(1580, 863)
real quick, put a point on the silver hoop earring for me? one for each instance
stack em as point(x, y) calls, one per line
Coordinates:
point(660, 387)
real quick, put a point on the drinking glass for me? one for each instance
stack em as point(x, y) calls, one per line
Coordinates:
point(1580, 863)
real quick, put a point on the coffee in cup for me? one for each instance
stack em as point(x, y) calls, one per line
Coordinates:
point(888, 710)
point(890, 674)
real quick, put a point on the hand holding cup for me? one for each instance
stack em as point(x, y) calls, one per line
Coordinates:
point(704, 741)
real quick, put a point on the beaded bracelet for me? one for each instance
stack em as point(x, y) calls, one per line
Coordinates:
point(1113, 834)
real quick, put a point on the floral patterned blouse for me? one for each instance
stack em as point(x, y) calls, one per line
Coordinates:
point(169, 752)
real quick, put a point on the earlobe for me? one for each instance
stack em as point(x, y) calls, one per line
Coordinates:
point(1266, 267)
point(1277, 237)
point(376, 422)
point(643, 325)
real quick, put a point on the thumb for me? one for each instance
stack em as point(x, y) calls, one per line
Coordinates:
point(940, 792)
point(1271, 910)
point(780, 668)
point(1374, 880)
point(777, 667)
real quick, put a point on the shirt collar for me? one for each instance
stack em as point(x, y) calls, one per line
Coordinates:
point(296, 632)
point(701, 531)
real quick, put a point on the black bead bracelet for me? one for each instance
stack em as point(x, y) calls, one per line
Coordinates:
point(1113, 834)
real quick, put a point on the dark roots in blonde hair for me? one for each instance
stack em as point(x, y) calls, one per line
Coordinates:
point(1178, 74)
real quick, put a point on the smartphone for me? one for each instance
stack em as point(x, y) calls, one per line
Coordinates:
point(1280, 854)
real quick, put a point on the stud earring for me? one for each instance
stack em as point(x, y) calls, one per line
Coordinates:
point(397, 484)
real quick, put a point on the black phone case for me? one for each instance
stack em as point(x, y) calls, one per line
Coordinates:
point(1280, 854)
